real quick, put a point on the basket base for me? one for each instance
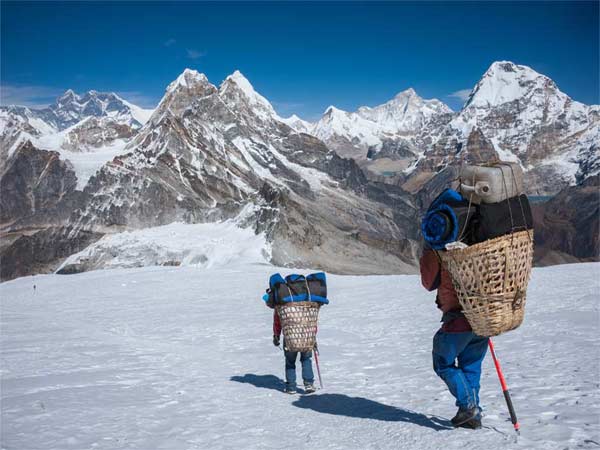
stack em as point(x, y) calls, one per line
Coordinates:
point(490, 279)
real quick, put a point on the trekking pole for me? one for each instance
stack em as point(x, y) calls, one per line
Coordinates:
point(316, 352)
point(511, 409)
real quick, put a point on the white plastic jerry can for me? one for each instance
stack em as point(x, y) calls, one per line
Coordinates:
point(491, 183)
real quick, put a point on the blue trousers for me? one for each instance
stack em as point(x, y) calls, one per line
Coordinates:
point(457, 359)
point(290, 368)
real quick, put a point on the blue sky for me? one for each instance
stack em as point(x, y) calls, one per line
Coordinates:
point(301, 56)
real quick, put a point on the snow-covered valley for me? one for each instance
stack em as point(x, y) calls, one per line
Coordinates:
point(181, 358)
point(202, 245)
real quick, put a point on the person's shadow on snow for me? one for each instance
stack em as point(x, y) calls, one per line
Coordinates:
point(261, 381)
point(343, 405)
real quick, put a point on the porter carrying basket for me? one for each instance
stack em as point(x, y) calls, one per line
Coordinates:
point(299, 325)
point(490, 279)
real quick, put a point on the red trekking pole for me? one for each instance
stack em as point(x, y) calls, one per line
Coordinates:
point(316, 352)
point(511, 409)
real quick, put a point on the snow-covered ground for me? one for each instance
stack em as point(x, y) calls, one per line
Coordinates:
point(181, 358)
point(202, 245)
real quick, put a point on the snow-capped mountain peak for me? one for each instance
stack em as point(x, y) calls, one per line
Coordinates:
point(242, 82)
point(94, 122)
point(297, 123)
point(336, 116)
point(525, 118)
point(505, 82)
point(187, 79)
point(71, 108)
point(68, 96)
point(236, 90)
point(410, 92)
point(182, 92)
point(295, 118)
point(332, 111)
point(406, 112)
point(357, 134)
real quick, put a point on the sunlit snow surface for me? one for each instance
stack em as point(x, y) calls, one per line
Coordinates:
point(202, 245)
point(181, 358)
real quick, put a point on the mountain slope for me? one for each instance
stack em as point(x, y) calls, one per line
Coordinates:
point(71, 108)
point(520, 113)
point(566, 226)
point(94, 122)
point(212, 153)
point(207, 153)
point(365, 133)
point(527, 119)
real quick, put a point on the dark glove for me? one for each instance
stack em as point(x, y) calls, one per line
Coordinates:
point(276, 340)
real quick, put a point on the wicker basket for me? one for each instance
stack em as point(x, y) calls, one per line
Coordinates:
point(491, 280)
point(299, 324)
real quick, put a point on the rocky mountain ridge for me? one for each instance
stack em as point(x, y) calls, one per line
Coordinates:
point(518, 113)
point(73, 122)
point(211, 153)
point(384, 140)
point(527, 119)
point(71, 108)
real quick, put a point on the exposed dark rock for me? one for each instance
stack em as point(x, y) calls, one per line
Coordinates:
point(42, 251)
point(567, 226)
point(96, 132)
point(478, 149)
point(394, 149)
point(37, 187)
point(589, 162)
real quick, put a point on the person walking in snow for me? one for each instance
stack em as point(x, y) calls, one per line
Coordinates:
point(290, 362)
point(457, 352)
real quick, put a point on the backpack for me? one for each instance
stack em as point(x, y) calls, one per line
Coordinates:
point(296, 288)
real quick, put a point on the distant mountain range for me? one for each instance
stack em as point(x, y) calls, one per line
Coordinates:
point(515, 114)
point(344, 193)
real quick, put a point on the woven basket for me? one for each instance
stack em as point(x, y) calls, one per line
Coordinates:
point(491, 280)
point(299, 324)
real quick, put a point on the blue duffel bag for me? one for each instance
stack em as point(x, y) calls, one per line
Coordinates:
point(296, 288)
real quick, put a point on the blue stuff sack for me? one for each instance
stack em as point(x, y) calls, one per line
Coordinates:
point(296, 288)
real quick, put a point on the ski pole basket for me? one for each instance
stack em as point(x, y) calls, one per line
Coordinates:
point(490, 279)
point(299, 324)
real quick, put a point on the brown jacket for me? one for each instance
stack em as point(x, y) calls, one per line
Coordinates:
point(435, 276)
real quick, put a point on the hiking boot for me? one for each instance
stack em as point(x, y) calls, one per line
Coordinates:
point(289, 390)
point(465, 415)
point(309, 388)
point(473, 424)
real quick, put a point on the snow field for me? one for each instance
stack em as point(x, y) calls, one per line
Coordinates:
point(181, 358)
point(204, 245)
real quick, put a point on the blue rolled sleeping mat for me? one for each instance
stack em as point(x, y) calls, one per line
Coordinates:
point(296, 288)
point(448, 219)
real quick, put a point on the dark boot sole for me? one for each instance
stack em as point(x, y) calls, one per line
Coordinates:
point(464, 421)
point(471, 424)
